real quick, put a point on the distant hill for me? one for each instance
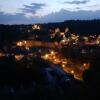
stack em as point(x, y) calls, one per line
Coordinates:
point(78, 26)
point(8, 33)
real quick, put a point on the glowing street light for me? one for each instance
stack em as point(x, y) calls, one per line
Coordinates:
point(63, 65)
point(46, 56)
point(52, 52)
point(72, 71)
point(19, 43)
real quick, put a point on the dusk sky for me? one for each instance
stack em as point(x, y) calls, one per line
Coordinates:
point(43, 11)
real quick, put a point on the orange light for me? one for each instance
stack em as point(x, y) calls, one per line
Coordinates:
point(19, 57)
point(72, 71)
point(2, 54)
point(46, 56)
point(63, 65)
point(25, 42)
point(84, 64)
point(52, 52)
point(55, 60)
point(54, 57)
point(64, 62)
point(19, 43)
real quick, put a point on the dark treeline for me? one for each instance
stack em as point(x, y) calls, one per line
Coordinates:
point(78, 26)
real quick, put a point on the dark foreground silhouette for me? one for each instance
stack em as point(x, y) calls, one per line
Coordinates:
point(36, 79)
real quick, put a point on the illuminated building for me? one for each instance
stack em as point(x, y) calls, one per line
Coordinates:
point(57, 30)
point(66, 29)
point(36, 27)
point(19, 57)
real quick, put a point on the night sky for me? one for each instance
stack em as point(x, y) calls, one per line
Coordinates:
point(43, 11)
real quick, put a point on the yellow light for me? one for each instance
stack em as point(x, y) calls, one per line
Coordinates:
point(19, 57)
point(72, 71)
point(19, 43)
point(55, 60)
point(63, 65)
point(84, 64)
point(54, 57)
point(27, 48)
point(66, 29)
point(35, 27)
point(63, 40)
point(46, 56)
point(64, 62)
point(52, 52)
point(61, 33)
point(97, 41)
point(57, 30)
point(25, 42)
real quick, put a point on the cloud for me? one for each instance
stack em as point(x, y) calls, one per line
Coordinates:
point(77, 2)
point(71, 15)
point(93, 6)
point(60, 16)
point(33, 8)
point(18, 18)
